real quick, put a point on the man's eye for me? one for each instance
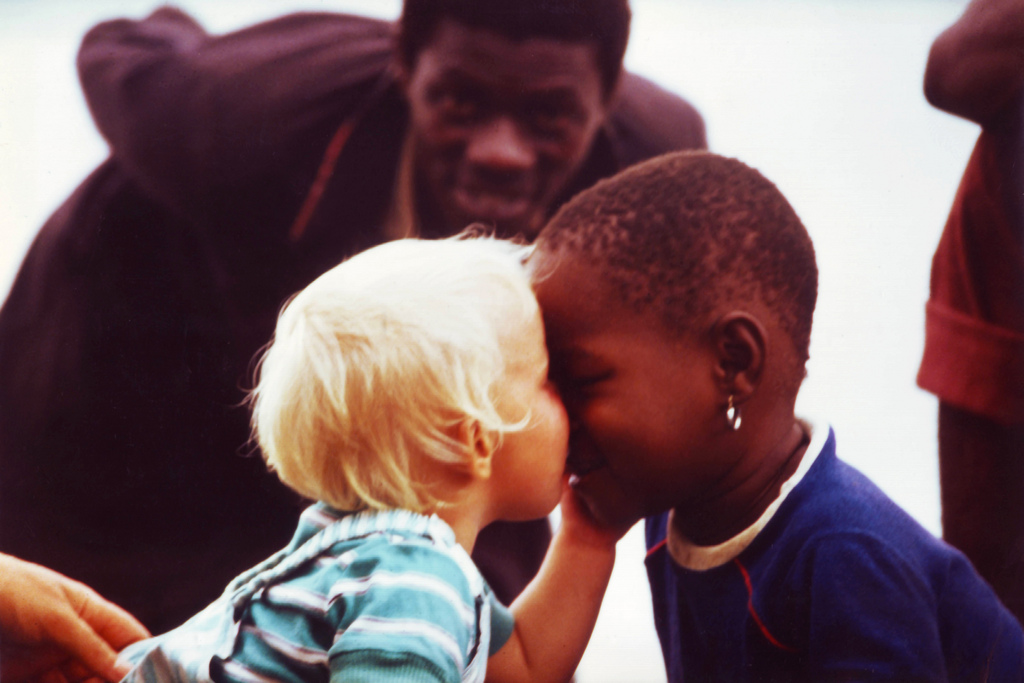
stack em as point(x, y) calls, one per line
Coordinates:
point(552, 116)
point(456, 105)
point(550, 121)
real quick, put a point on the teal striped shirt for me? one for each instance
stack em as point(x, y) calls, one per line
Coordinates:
point(372, 596)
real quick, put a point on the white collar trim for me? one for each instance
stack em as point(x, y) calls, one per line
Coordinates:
point(700, 558)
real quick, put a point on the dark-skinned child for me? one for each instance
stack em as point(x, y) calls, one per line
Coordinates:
point(677, 299)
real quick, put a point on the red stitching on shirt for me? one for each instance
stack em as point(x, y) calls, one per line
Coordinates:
point(753, 613)
point(323, 174)
point(657, 547)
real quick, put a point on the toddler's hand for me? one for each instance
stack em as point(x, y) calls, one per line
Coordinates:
point(584, 528)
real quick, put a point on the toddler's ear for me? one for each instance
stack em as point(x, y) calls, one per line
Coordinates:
point(480, 445)
point(740, 344)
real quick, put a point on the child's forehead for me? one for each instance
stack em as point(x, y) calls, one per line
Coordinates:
point(571, 269)
point(577, 301)
point(566, 281)
point(523, 342)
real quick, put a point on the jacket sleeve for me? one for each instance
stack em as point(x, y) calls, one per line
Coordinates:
point(209, 126)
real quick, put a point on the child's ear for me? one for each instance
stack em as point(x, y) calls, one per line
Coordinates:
point(480, 445)
point(740, 345)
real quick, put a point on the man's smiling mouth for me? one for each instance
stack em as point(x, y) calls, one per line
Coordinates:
point(485, 204)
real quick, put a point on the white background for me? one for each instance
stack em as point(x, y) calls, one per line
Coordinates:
point(823, 96)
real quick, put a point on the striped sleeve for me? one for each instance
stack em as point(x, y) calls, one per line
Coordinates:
point(413, 613)
point(502, 624)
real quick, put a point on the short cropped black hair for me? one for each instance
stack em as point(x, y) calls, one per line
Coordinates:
point(605, 22)
point(687, 232)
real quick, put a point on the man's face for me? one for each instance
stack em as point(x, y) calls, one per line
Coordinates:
point(499, 127)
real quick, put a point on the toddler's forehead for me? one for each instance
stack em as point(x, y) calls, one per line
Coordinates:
point(524, 340)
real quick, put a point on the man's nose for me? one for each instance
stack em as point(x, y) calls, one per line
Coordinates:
point(500, 145)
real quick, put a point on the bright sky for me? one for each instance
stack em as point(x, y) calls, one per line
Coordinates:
point(823, 96)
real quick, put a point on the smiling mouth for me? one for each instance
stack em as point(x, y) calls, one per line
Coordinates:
point(488, 205)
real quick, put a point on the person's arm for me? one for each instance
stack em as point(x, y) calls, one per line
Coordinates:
point(555, 615)
point(209, 125)
point(48, 620)
point(976, 66)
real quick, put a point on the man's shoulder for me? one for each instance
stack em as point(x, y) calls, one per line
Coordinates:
point(324, 25)
point(647, 120)
point(341, 39)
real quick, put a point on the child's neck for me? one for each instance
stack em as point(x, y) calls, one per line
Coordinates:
point(466, 500)
point(465, 523)
point(742, 505)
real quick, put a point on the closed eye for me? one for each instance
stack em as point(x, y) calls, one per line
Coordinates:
point(583, 385)
point(589, 380)
point(578, 373)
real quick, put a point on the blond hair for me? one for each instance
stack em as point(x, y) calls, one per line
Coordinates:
point(375, 363)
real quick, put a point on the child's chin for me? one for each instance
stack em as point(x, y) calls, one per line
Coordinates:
point(607, 510)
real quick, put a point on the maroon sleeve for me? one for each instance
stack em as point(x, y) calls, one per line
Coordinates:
point(974, 340)
point(214, 126)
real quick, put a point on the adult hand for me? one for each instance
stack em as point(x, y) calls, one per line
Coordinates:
point(54, 628)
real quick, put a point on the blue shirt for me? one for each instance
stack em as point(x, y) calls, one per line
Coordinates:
point(840, 584)
point(365, 597)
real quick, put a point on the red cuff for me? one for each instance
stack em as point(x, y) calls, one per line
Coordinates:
point(973, 365)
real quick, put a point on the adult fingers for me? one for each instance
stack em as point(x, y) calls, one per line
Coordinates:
point(112, 623)
point(92, 631)
point(82, 643)
point(19, 663)
point(53, 676)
